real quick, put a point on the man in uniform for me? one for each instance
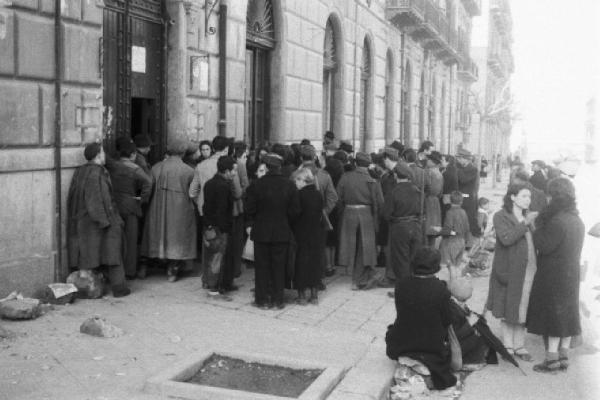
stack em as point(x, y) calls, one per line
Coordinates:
point(468, 185)
point(360, 200)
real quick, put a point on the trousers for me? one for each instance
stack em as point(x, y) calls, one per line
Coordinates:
point(270, 260)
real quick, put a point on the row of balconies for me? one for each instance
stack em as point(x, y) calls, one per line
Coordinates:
point(500, 11)
point(427, 23)
point(473, 7)
point(501, 62)
point(468, 70)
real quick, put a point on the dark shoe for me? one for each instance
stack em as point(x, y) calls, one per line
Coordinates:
point(217, 295)
point(321, 286)
point(130, 277)
point(314, 297)
point(120, 290)
point(329, 272)
point(142, 271)
point(386, 283)
point(280, 306)
point(548, 366)
point(564, 363)
point(231, 288)
point(172, 273)
point(391, 294)
point(262, 306)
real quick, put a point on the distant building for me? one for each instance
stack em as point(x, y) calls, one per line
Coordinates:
point(592, 137)
point(492, 98)
point(373, 71)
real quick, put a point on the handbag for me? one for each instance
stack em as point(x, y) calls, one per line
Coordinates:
point(455, 350)
point(248, 252)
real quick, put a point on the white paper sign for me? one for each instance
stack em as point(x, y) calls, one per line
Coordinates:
point(204, 75)
point(138, 59)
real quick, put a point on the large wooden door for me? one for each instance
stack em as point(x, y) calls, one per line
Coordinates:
point(257, 89)
point(133, 71)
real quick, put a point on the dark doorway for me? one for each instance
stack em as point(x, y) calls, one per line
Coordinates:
point(133, 71)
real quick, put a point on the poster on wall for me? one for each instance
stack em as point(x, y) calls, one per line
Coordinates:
point(199, 73)
point(138, 59)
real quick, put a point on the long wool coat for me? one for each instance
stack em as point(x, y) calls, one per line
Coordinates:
point(170, 230)
point(423, 314)
point(309, 234)
point(554, 301)
point(433, 210)
point(508, 268)
point(358, 188)
point(94, 227)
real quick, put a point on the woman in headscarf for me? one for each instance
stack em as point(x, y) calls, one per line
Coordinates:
point(554, 303)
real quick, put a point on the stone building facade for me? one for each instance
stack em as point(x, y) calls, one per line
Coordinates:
point(372, 71)
point(492, 99)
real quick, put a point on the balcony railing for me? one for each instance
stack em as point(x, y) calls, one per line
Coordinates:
point(468, 71)
point(427, 23)
point(473, 7)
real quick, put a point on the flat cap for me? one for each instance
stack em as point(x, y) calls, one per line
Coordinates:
point(463, 153)
point(362, 158)
point(142, 140)
point(391, 153)
point(308, 151)
point(272, 160)
point(347, 147)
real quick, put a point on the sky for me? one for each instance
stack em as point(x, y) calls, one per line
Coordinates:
point(556, 48)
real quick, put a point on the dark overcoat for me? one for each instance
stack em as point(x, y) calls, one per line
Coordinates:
point(94, 227)
point(309, 234)
point(468, 183)
point(508, 267)
point(170, 231)
point(554, 300)
point(423, 314)
point(271, 204)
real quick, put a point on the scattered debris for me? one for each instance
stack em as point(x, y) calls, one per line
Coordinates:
point(59, 293)
point(98, 358)
point(98, 326)
point(89, 283)
point(175, 339)
point(15, 306)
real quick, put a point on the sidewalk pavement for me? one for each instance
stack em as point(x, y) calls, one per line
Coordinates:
point(166, 322)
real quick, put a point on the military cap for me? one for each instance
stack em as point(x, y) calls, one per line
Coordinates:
point(362, 159)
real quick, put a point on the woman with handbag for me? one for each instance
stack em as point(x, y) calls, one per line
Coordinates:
point(513, 268)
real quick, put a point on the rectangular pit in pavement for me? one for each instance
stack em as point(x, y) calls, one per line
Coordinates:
point(173, 382)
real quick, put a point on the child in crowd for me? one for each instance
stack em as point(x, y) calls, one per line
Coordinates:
point(483, 214)
point(456, 231)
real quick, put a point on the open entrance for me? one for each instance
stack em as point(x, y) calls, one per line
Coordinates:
point(133, 72)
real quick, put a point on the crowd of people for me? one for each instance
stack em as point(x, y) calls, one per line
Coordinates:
point(305, 212)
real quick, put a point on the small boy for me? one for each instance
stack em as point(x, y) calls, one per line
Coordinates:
point(456, 231)
point(483, 214)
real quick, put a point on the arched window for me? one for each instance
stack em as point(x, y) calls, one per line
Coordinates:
point(431, 113)
point(422, 116)
point(389, 97)
point(260, 40)
point(406, 104)
point(366, 71)
point(442, 120)
point(330, 70)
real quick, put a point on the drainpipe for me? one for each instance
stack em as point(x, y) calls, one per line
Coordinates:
point(223, 68)
point(402, 80)
point(355, 74)
point(59, 273)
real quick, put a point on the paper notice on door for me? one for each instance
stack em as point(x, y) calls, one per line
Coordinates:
point(138, 59)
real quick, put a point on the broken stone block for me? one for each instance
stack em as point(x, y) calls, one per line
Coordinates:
point(23, 308)
point(97, 326)
point(89, 284)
